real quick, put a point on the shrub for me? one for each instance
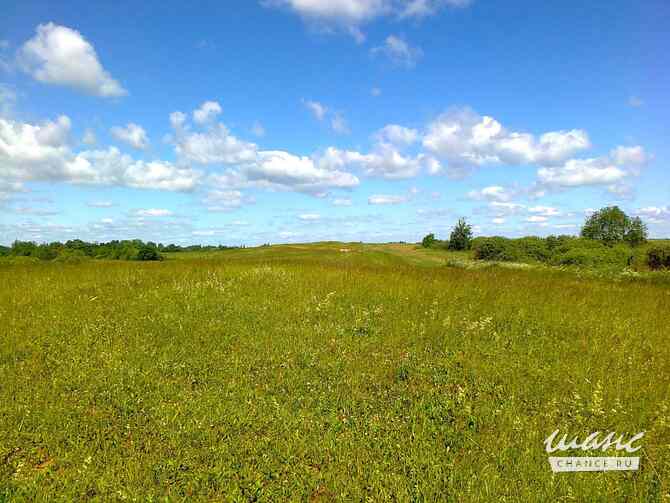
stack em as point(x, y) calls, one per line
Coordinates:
point(496, 248)
point(428, 240)
point(148, 253)
point(658, 257)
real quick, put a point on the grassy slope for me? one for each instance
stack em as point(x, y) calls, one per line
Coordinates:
point(302, 371)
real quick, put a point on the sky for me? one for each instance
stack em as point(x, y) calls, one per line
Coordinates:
point(272, 121)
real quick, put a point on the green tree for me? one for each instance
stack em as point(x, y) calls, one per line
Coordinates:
point(461, 236)
point(428, 241)
point(611, 225)
point(637, 234)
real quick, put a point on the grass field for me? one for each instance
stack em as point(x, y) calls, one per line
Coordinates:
point(326, 372)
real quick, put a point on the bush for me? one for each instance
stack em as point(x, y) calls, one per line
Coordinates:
point(497, 249)
point(428, 240)
point(658, 257)
point(148, 253)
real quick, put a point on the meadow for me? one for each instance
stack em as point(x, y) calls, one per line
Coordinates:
point(325, 372)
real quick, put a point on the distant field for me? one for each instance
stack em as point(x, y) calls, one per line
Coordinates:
point(324, 372)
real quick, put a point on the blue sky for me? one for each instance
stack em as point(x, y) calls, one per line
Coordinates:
point(245, 122)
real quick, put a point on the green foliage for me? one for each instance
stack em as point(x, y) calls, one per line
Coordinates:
point(563, 250)
point(611, 225)
point(428, 240)
point(148, 253)
point(637, 233)
point(658, 257)
point(461, 236)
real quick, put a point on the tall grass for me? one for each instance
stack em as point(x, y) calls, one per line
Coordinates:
point(297, 373)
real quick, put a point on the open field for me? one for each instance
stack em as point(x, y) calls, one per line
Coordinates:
point(309, 373)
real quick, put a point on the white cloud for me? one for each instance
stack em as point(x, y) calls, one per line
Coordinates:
point(387, 199)
point(632, 157)
point(635, 102)
point(398, 51)
point(284, 170)
point(466, 139)
point(342, 201)
point(498, 220)
point(89, 137)
point(318, 110)
point(41, 152)
point(349, 15)
point(544, 211)
point(62, 56)
point(207, 112)
point(375, 91)
point(384, 162)
point(215, 146)
point(492, 193)
point(309, 217)
point(397, 135)
point(153, 212)
point(177, 119)
point(339, 124)
point(579, 172)
point(224, 200)
point(535, 219)
point(132, 134)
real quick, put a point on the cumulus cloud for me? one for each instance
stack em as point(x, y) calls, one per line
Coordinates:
point(215, 146)
point(207, 112)
point(398, 51)
point(580, 172)
point(383, 162)
point(349, 15)
point(492, 193)
point(466, 139)
point(62, 56)
point(41, 152)
point(177, 119)
point(399, 136)
point(132, 134)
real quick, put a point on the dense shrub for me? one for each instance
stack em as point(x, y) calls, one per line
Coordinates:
point(563, 250)
point(658, 257)
point(428, 240)
point(497, 249)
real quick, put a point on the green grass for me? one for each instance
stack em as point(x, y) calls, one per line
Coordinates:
point(306, 372)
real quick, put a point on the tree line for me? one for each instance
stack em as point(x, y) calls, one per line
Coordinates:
point(134, 249)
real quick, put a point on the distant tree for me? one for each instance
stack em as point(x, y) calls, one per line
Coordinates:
point(611, 225)
point(461, 236)
point(637, 234)
point(147, 252)
point(428, 240)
